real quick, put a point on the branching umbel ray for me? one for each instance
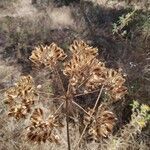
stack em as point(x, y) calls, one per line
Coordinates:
point(93, 110)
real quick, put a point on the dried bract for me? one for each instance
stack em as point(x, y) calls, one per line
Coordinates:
point(47, 55)
point(41, 129)
point(19, 111)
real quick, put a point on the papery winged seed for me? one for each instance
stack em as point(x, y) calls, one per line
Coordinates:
point(18, 112)
point(55, 139)
point(37, 116)
point(103, 131)
point(32, 136)
point(109, 126)
point(118, 92)
point(10, 94)
point(77, 46)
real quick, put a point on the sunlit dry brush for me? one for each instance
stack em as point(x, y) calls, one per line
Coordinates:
point(84, 74)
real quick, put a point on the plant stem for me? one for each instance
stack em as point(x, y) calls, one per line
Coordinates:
point(99, 95)
point(67, 122)
point(58, 108)
point(77, 95)
point(59, 78)
point(66, 98)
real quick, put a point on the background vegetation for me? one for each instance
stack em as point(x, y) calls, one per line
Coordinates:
point(120, 29)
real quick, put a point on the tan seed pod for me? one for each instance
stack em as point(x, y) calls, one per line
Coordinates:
point(42, 130)
point(37, 116)
point(21, 97)
point(48, 55)
point(101, 124)
point(19, 111)
point(114, 85)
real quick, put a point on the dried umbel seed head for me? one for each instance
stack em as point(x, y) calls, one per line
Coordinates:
point(42, 130)
point(47, 56)
point(86, 73)
point(114, 85)
point(97, 76)
point(80, 47)
point(25, 87)
point(83, 58)
point(21, 97)
point(101, 124)
point(112, 80)
point(19, 111)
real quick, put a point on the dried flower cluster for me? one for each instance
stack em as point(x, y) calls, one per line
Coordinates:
point(42, 130)
point(81, 63)
point(114, 84)
point(47, 56)
point(86, 71)
point(85, 74)
point(101, 123)
point(21, 97)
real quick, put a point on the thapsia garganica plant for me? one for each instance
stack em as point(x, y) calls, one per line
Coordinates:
point(85, 74)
